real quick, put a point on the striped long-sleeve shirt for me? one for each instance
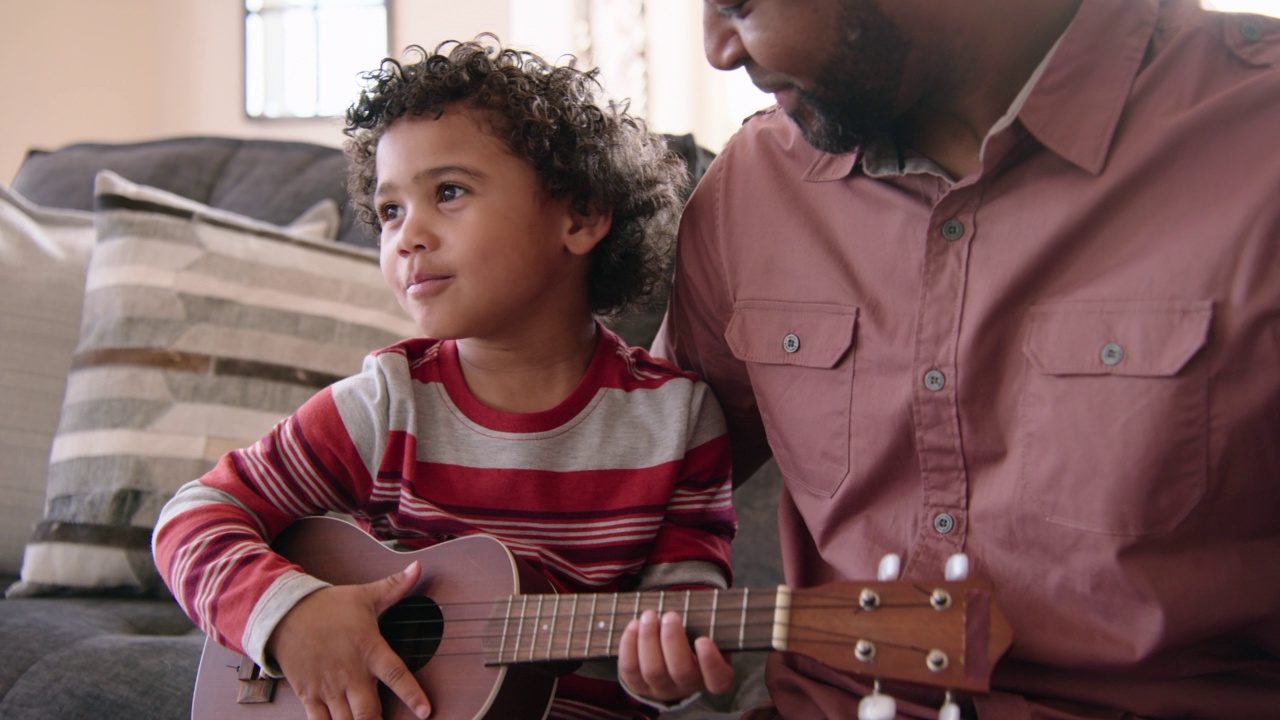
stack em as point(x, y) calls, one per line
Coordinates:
point(625, 485)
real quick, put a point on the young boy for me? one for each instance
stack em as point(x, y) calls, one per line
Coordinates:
point(512, 210)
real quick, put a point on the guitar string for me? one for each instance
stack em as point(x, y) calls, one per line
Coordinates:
point(820, 635)
point(831, 639)
point(838, 599)
point(839, 636)
point(843, 603)
point(406, 639)
point(836, 639)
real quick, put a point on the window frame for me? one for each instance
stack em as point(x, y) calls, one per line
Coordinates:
point(314, 7)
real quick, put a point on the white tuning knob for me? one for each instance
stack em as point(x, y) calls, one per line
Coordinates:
point(949, 710)
point(957, 568)
point(890, 568)
point(877, 706)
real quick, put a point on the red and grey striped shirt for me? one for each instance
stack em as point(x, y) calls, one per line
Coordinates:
point(624, 485)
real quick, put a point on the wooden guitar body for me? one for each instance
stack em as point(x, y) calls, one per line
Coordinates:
point(454, 575)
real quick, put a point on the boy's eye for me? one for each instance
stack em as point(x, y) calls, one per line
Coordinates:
point(448, 192)
point(388, 212)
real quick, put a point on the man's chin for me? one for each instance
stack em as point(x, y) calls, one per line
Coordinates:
point(823, 128)
point(825, 136)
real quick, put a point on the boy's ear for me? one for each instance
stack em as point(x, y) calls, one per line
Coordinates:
point(587, 227)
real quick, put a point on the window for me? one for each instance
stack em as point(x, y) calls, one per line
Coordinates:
point(649, 52)
point(1261, 7)
point(303, 58)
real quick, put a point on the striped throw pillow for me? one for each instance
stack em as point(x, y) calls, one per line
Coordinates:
point(44, 254)
point(200, 330)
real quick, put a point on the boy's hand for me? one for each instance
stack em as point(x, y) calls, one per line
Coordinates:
point(332, 653)
point(656, 662)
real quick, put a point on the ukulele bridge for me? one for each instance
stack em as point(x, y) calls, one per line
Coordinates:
point(255, 688)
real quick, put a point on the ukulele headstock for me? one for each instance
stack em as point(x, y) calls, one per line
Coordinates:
point(945, 634)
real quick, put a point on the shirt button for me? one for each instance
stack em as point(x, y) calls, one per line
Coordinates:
point(944, 523)
point(1250, 31)
point(791, 343)
point(953, 230)
point(935, 380)
point(1112, 354)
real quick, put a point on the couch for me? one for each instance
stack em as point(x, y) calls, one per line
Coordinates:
point(90, 632)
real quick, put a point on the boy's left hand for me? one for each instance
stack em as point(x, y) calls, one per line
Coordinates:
point(655, 660)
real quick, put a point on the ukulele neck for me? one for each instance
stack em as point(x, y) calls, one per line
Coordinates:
point(550, 628)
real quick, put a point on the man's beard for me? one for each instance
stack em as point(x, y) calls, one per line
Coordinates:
point(853, 98)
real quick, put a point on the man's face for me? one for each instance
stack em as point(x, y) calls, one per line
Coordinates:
point(835, 66)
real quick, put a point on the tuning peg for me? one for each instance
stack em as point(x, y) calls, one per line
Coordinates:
point(890, 567)
point(877, 706)
point(957, 567)
point(949, 710)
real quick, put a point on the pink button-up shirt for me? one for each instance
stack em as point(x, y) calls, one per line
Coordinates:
point(1066, 366)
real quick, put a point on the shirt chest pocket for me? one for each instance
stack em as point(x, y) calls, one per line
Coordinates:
point(1114, 414)
point(800, 359)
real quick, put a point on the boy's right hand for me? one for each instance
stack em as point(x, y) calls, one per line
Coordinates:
point(332, 653)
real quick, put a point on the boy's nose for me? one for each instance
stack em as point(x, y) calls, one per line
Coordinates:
point(415, 234)
point(720, 40)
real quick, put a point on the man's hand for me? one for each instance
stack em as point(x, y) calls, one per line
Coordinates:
point(332, 653)
point(655, 660)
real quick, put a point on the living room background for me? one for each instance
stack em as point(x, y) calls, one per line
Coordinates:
point(85, 70)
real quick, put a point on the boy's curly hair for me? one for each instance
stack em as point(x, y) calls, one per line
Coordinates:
point(596, 155)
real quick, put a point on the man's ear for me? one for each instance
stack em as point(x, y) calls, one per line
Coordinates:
point(587, 227)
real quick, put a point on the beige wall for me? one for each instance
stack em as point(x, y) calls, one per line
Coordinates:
point(126, 70)
point(121, 70)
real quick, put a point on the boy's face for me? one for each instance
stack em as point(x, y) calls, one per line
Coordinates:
point(471, 244)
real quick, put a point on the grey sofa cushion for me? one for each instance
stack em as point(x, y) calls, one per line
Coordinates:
point(264, 179)
point(109, 659)
point(267, 180)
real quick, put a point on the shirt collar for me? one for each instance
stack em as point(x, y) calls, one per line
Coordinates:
point(1071, 103)
point(1075, 106)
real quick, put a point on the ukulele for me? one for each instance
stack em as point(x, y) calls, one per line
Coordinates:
point(486, 637)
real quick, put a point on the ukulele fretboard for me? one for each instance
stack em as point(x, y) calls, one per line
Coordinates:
point(533, 628)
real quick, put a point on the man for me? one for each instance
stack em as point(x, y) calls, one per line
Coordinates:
point(1002, 277)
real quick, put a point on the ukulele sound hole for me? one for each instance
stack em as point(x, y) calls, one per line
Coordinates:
point(413, 628)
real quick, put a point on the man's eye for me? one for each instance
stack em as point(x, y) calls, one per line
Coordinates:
point(731, 10)
point(448, 192)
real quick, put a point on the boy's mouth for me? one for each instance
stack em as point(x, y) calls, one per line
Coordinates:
point(424, 283)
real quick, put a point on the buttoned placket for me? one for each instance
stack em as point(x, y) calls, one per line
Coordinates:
point(944, 523)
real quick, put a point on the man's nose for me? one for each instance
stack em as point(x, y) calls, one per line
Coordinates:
point(720, 40)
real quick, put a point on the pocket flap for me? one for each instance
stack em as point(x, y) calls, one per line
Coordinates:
point(784, 333)
point(1153, 339)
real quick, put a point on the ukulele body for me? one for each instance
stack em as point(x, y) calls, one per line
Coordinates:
point(460, 580)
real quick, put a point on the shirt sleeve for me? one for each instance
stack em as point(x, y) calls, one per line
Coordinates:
point(692, 334)
point(691, 549)
point(212, 540)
